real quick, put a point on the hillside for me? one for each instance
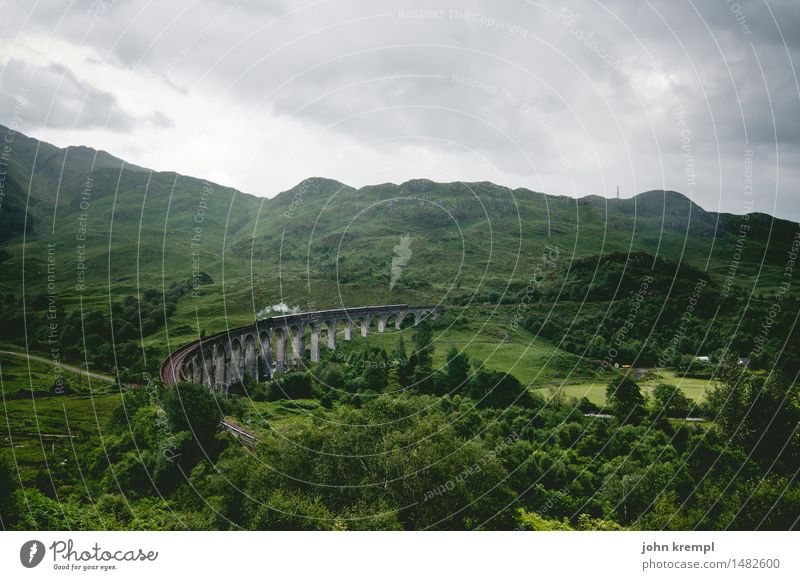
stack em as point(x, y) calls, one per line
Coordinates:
point(119, 229)
point(114, 227)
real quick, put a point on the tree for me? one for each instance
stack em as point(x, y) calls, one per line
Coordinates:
point(9, 511)
point(584, 405)
point(405, 370)
point(625, 399)
point(670, 401)
point(292, 511)
point(423, 348)
point(375, 376)
point(727, 401)
point(421, 360)
point(294, 385)
point(194, 408)
point(457, 369)
point(497, 389)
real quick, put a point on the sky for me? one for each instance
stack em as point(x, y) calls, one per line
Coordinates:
point(568, 98)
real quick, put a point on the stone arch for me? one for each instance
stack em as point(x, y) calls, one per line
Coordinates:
point(237, 361)
point(220, 375)
point(265, 352)
point(330, 326)
point(281, 354)
point(316, 337)
point(382, 318)
point(250, 360)
point(374, 323)
point(402, 315)
point(363, 324)
point(297, 334)
point(207, 356)
point(196, 373)
point(187, 372)
point(391, 320)
point(223, 359)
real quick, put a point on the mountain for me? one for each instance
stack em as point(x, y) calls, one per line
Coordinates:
point(120, 229)
point(113, 226)
point(477, 237)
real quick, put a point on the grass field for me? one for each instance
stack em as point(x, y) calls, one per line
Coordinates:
point(46, 429)
point(595, 391)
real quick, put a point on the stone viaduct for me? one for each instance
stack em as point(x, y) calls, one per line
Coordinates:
point(275, 344)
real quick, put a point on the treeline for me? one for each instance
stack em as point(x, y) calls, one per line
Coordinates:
point(653, 333)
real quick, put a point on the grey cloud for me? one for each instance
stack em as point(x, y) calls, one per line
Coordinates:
point(582, 88)
point(54, 97)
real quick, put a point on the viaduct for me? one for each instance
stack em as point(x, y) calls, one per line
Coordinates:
point(273, 345)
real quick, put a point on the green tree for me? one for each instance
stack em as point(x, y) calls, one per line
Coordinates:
point(423, 348)
point(497, 389)
point(193, 408)
point(375, 376)
point(625, 399)
point(291, 511)
point(457, 369)
point(670, 401)
point(405, 370)
point(727, 402)
point(9, 512)
point(333, 377)
point(421, 359)
point(296, 385)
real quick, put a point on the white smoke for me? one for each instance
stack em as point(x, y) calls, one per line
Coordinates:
point(402, 255)
point(280, 308)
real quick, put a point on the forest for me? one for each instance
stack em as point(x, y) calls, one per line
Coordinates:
point(383, 441)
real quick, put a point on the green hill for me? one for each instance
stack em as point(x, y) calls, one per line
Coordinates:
point(145, 229)
point(87, 228)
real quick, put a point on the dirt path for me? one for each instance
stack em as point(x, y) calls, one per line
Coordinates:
point(51, 362)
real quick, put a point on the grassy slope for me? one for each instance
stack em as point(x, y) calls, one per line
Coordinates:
point(478, 236)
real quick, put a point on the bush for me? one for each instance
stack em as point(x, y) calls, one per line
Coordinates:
point(625, 400)
point(584, 405)
point(497, 389)
point(194, 408)
point(290, 386)
point(670, 401)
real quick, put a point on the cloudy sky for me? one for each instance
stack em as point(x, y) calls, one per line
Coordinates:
point(566, 97)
